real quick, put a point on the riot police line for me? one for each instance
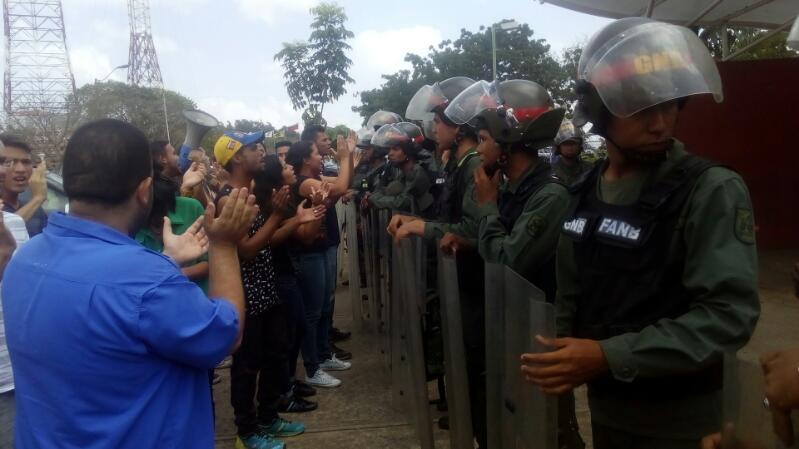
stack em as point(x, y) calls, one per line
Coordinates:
point(389, 303)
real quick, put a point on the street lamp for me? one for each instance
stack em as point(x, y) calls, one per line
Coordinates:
point(123, 66)
point(504, 26)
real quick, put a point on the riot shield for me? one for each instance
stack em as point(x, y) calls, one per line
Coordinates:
point(370, 256)
point(409, 259)
point(524, 416)
point(460, 415)
point(354, 259)
point(747, 422)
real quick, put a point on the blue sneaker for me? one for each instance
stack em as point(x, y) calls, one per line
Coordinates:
point(258, 441)
point(282, 428)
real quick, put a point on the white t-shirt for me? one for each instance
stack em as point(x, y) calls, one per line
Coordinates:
point(16, 226)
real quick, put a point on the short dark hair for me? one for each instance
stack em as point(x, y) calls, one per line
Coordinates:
point(297, 153)
point(164, 199)
point(11, 140)
point(105, 161)
point(265, 181)
point(283, 143)
point(310, 132)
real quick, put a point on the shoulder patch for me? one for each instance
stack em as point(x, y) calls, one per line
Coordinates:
point(745, 225)
point(536, 226)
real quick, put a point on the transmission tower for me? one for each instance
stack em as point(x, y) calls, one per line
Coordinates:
point(38, 78)
point(143, 67)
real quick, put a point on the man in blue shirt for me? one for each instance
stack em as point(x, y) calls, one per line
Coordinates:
point(110, 343)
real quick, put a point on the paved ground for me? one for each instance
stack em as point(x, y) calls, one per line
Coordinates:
point(359, 414)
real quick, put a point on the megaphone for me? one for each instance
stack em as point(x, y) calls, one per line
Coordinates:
point(198, 123)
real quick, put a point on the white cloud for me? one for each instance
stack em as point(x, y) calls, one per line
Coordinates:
point(164, 44)
point(268, 10)
point(384, 51)
point(272, 110)
point(88, 64)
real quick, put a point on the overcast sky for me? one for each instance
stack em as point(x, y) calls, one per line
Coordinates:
point(220, 52)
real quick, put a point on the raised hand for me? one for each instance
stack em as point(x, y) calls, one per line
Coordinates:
point(235, 219)
point(486, 190)
point(310, 214)
point(343, 148)
point(38, 181)
point(280, 200)
point(193, 176)
point(185, 247)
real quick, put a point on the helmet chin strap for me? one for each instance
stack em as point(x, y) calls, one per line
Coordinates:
point(639, 157)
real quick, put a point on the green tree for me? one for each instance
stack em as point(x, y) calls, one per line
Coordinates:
point(737, 38)
point(317, 71)
point(249, 126)
point(519, 55)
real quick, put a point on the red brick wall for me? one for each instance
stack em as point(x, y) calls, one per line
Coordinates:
point(756, 132)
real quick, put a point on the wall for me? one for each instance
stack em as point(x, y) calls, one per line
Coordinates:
point(755, 131)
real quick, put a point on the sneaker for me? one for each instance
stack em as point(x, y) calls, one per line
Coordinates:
point(227, 362)
point(296, 405)
point(337, 335)
point(302, 390)
point(322, 379)
point(258, 441)
point(334, 364)
point(281, 428)
point(340, 353)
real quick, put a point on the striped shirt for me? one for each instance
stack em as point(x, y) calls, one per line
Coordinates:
point(16, 225)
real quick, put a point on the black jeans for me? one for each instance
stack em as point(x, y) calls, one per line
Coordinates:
point(288, 290)
point(260, 364)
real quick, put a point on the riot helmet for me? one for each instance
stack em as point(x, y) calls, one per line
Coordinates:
point(514, 111)
point(636, 63)
point(430, 99)
point(404, 135)
point(381, 118)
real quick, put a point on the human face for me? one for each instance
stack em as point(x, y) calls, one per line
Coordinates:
point(646, 135)
point(323, 144)
point(170, 160)
point(396, 156)
point(569, 149)
point(252, 158)
point(314, 161)
point(281, 152)
point(19, 168)
point(489, 150)
point(445, 134)
point(289, 177)
point(3, 168)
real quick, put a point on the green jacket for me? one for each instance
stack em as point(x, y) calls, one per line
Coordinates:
point(187, 211)
point(715, 232)
point(409, 193)
point(568, 174)
point(534, 236)
point(468, 224)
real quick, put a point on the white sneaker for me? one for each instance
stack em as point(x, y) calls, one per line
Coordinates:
point(334, 364)
point(322, 379)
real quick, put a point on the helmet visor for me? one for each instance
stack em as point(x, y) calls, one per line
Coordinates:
point(477, 98)
point(650, 64)
point(424, 101)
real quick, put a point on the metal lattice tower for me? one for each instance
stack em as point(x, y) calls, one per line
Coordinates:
point(38, 77)
point(143, 67)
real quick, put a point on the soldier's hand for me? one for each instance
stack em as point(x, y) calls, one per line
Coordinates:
point(397, 221)
point(451, 243)
point(235, 219)
point(486, 190)
point(571, 363)
point(414, 227)
point(781, 371)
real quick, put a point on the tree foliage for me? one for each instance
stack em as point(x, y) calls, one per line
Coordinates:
point(738, 38)
point(519, 55)
point(317, 71)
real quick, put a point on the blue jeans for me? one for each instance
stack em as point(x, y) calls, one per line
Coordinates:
point(332, 267)
point(315, 283)
point(7, 411)
point(288, 290)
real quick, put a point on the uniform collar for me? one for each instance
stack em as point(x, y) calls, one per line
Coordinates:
point(531, 171)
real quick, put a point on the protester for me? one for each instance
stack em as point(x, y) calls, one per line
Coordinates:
point(12, 236)
point(104, 312)
point(260, 365)
point(316, 259)
point(275, 176)
point(20, 175)
point(281, 149)
point(165, 159)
